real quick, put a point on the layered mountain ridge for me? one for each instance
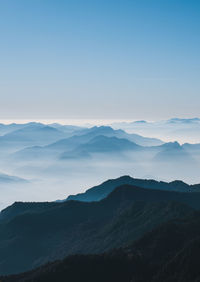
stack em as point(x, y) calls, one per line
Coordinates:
point(42, 232)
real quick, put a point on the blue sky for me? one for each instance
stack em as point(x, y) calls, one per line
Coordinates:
point(99, 59)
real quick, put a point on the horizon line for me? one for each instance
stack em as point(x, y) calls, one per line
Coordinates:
point(82, 121)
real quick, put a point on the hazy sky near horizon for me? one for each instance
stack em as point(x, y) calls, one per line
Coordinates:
point(99, 59)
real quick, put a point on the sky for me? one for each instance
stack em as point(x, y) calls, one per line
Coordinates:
point(99, 59)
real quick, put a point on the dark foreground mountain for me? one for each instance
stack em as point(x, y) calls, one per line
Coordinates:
point(101, 191)
point(98, 193)
point(32, 234)
point(169, 253)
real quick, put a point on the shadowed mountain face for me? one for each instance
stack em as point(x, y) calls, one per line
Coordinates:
point(101, 191)
point(108, 267)
point(42, 232)
point(170, 252)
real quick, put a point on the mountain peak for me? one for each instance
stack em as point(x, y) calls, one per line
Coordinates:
point(103, 128)
point(140, 122)
point(172, 145)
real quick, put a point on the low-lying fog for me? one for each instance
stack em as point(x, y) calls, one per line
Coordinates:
point(33, 170)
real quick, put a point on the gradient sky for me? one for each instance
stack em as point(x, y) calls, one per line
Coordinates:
point(100, 59)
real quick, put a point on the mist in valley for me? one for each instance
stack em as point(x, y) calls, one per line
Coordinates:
point(49, 162)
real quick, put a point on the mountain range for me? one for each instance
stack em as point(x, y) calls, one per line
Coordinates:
point(135, 229)
point(180, 129)
point(63, 158)
point(10, 179)
point(83, 142)
point(41, 232)
point(37, 134)
point(169, 252)
point(94, 141)
point(31, 140)
point(101, 191)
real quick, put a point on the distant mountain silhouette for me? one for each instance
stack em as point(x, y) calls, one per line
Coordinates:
point(173, 152)
point(9, 179)
point(191, 147)
point(70, 129)
point(32, 153)
point(108, 144)
point(184, 120)
point(6, 128)
point(182, 130)
point(110, 132)
point(31, 134)
point(102, 144)
point(102, 139)
point(86, 135)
